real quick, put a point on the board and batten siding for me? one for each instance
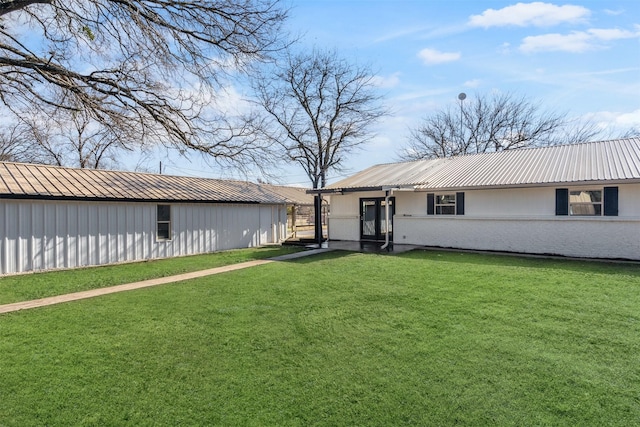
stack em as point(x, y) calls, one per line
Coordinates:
point(510, 219)
point(43, 235)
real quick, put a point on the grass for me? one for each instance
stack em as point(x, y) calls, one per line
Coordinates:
point(424, 338)
point(28, 286)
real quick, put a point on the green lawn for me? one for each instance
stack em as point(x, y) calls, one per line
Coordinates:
point(29, 286)
point(423, 338)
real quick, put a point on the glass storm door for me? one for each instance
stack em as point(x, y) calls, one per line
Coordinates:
point(373, 224)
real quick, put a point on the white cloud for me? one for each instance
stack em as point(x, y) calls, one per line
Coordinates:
point(402, 33)
point(432, 56)
point(472, 83)
point(420, 94)
point(387, 81)
point(505, 48)
point(612, 34)
point(614, 123)
point(614, 12)
point(629, 120)
point(530, 14)
point(422, 33)
point(575, 42)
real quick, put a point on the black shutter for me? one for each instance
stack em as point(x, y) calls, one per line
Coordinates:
point(611, 201)
point(459, 203)
point(431, 203)
point(562, 201)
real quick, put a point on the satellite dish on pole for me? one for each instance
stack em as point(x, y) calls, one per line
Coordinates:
point(462, 96)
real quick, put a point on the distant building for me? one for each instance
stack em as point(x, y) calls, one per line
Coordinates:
point(299, 209)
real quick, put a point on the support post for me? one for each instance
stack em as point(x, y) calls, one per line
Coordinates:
point(387, 197)
point(294, 219)
point(317, 202)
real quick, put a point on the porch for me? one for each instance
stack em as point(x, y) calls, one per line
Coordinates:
point(363, 246)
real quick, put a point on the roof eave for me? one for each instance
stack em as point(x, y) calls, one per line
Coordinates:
point(424, 188)
point(136, 200)
point(341, 190)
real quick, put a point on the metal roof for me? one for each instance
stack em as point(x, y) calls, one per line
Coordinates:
point(603, 161)
point(21, 180)
point(292, 195)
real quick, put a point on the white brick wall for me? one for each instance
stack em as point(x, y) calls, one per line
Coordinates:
point(516, 220)
point(580, 237)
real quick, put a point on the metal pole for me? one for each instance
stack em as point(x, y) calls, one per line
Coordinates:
point(462, 96)
point(318, 218)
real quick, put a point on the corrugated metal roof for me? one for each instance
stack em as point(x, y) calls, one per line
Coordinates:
point(614, 160)
point(21, 180)
point(293, 195)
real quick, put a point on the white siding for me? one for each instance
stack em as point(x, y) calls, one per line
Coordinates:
point(266, 231)
point(42, 235)
point(516, 220)
point(273, 224)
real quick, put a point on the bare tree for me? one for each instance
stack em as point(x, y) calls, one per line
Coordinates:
point(154, 66)
point(577, 130)
point(16, 145)
point(492, 123)
point(631, 133)
point(73, 138)
point(320, 107)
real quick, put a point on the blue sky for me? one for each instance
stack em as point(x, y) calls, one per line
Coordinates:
point(579, 57)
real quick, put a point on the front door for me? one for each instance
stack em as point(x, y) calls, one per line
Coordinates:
point(373, 224)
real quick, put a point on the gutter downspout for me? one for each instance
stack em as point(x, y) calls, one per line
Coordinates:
point(386, 218)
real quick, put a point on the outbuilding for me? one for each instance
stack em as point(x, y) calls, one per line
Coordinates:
point(579, 200)
point(54, 217)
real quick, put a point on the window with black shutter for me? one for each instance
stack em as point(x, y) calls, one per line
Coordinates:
point(587, 201)
point(445, 204)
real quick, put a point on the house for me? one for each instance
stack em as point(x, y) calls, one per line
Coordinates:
point(53, 217)
point(580, 200)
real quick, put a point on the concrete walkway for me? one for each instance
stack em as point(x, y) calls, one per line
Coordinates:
point(24, 305)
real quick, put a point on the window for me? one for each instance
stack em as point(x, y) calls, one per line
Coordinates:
point(164, 222)
point(585, 202)
point(445, 204)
